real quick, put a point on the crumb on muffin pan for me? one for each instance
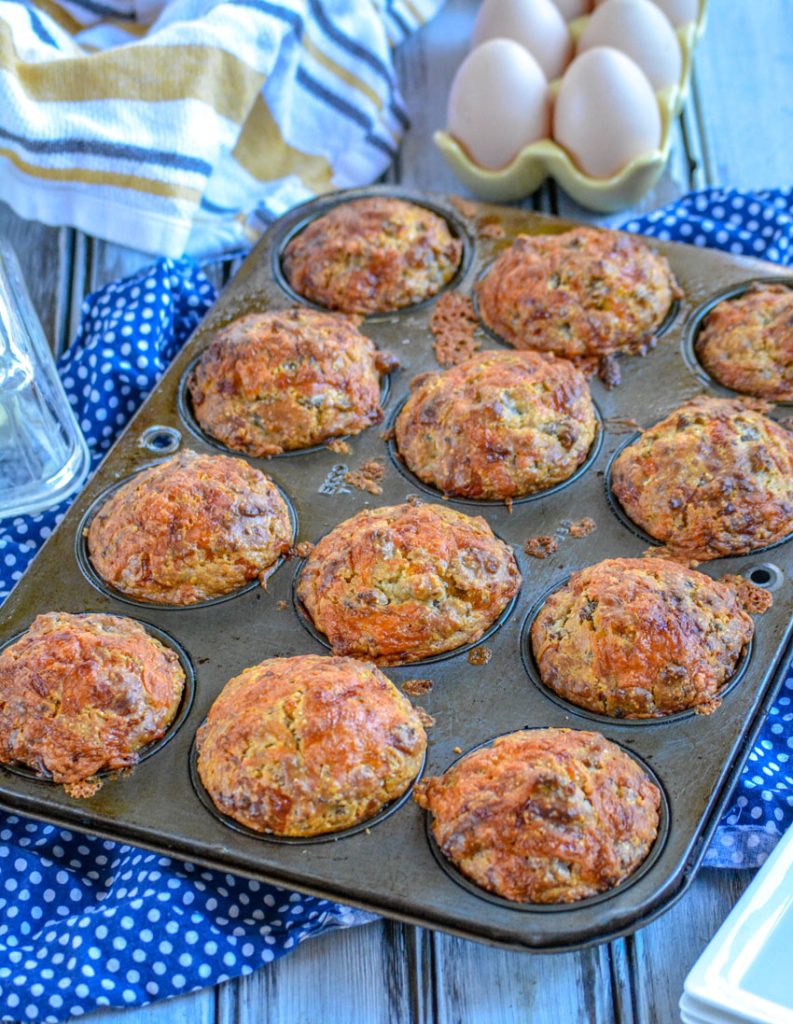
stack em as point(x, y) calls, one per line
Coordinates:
point(302, 751)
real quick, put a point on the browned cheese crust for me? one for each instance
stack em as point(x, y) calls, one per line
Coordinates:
point(190, 528)
point(279, 381)
point(746, 343)
point(499, 425)
point(307, 745)
point(81, 694)
point(372, 256)
point(585, 292)
point(404, 582)
point(714, 478)
point(544, 816)
point(640, 638)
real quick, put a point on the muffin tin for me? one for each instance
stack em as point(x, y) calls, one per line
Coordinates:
point(389, 865)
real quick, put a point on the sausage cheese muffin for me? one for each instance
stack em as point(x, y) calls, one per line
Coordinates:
point(544, 815)
point(405, 582)
point(190, 528)
point(82, 694)
point(372, 256)
point(714, 478)
point(308, 745)
point(640, 638)
point(746, 343)
point(498, 425)
point(585, 292)
point(280, 381)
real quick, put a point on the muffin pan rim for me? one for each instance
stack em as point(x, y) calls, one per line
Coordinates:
point(693, 326)
point(150, 749)
point(653, 855)
point(533, 672)
point(490, 503)
point(86, 567)
point(427, 896)
point(299, 217)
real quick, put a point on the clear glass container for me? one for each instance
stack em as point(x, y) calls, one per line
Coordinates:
point(43, 454)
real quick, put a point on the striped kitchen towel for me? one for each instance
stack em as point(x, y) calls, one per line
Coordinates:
point(186, 126)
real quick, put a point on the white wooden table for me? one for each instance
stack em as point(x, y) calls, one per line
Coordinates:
point(737, 130)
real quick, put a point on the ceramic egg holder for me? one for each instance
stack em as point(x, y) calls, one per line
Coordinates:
point(547, 159)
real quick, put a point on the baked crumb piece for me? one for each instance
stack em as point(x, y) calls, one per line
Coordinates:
point(387, 434)
point(425, 717)
point(508, 505)
point(541, 546)
point(609, 371)
point(282, 606)
point(367, 477)
point(492, 229)
point(339, 446)
point(708, 707)
point(582, 527)
point(463, 206)
point(84, 789)
point(755, 600)
point(622, 425)
point(453, 323)
point(301, 550)
point(457, 750)
point(479, 656)
point(416, 687)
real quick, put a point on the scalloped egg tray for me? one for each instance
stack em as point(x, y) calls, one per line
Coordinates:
point(390, 865)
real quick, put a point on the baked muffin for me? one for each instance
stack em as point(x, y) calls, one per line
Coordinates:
point(585, 292)
point(640, 638)
point(746, 343)
point(82, 694)
point(498, 425)
point(714, 478)
point(544, 816)
point(190, 528)
point(406, 582)
point(280, 381)
point(372, 256)
point(308, 745)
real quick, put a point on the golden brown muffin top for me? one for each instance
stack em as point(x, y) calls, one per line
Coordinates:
point(746, 343)
point(405, 582)
point(499, 425)
point(640, 638)
point(714, 478)
point(307, 745)
point(372, 256)
point(585, 292)
point(544, 815)
point(190, 528)
point(288, 379)
point(81, 694)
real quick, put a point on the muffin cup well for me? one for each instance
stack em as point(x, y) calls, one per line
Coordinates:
point(533, 672)
point(270, 837)
point(413, 480)
point(185, 704)
point(307, 623)
point(619, 512)
point(688, 341)
point(184, 404)
point(295, 223)
point(550, 908)
point(96, 581)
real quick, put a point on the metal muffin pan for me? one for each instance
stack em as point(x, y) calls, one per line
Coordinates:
point(389, 866)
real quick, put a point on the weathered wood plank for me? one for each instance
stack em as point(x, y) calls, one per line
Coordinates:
point(662, 954)
point(195, 1008)
point(358, 975)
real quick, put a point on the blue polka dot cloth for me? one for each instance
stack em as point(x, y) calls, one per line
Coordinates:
point(87, 923)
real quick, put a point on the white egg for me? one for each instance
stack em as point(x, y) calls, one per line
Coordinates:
point(499, 102)
point(606, 112)
point(679, 12)
point(535, 24)
point(639, 29)
point(573, 8)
